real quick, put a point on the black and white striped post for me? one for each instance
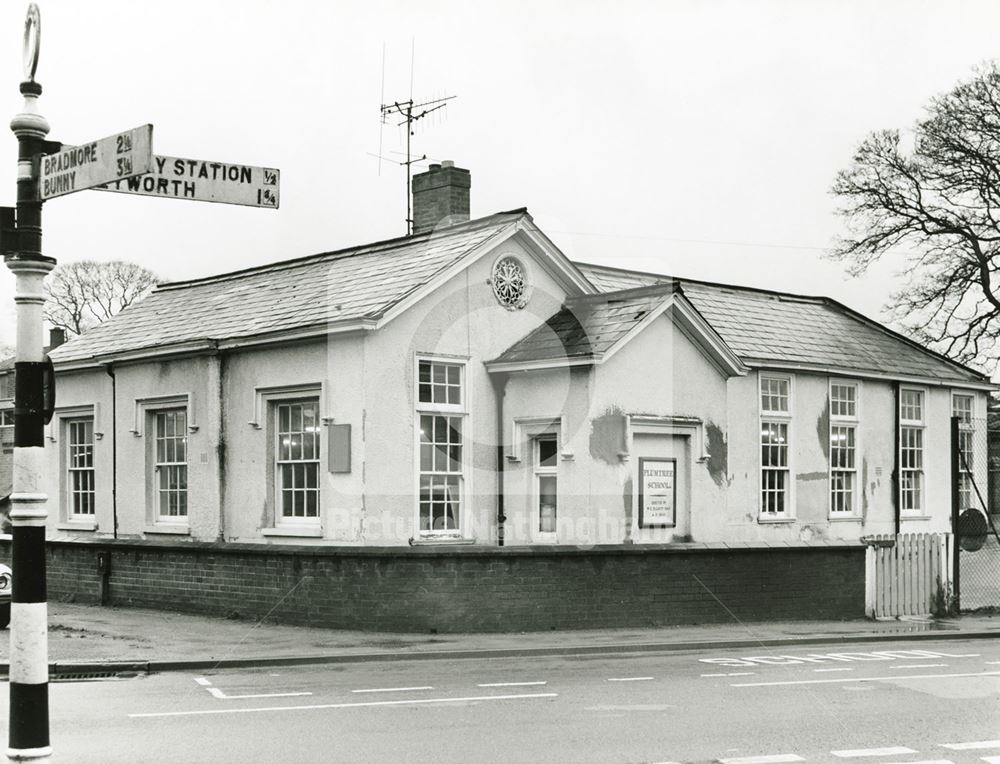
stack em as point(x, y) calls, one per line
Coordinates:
point(28, 733)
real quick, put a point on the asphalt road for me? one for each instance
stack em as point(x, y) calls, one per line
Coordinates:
point(900, 702)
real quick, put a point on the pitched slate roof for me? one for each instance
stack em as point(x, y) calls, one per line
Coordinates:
point(777, 328)
point(587, 326)
point(356, 283)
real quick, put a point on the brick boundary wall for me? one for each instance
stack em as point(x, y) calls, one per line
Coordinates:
point(466, 589)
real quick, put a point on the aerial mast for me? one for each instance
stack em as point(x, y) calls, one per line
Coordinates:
point(411, 112)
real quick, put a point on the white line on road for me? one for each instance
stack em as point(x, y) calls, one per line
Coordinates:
point(395, 689)
point(834, 669)
point(977, 745)
point(865, 679)
point(918, 665)
point(630, 679)
point(734, 673)
point(861, 752)
point(993, 663)
point(511, 684)
point(202, 681)
point(217, 693)
point(990, 759)
point(775, 759)
point(414, 701)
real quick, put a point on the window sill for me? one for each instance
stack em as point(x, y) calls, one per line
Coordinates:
point(845, 519)
point(175, 529)
point(75, 525)
point(305, 531)
point(775, 520)
point(430, 540)
point(904, 518)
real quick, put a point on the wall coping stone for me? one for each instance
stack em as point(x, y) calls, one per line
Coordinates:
point(475, 551)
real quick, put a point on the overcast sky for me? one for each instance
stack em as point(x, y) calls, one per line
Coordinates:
point(692, 138)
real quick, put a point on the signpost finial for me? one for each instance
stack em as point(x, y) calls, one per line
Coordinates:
point(32, 38)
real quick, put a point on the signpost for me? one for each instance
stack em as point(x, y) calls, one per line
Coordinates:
point(76, 168)
point(45, 169)
point(203, 181)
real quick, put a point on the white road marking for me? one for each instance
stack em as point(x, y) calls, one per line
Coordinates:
point(919, 665)
point(395, 689)
point(977, 745)
point(414, 701)
point(630, 679)
point(774, 759)
point(833, 669)
point(866, 679)
point(857, 753)
point(990, 759)
point(993, 663)
point(511, 684)
point(217, 693)
point(734, 673)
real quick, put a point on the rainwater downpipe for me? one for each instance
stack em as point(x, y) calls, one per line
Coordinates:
point(114, 447)
point(896, 477)
point(500, 388)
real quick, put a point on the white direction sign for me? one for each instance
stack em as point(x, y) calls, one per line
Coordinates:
point(76, 168)
point(176, 178)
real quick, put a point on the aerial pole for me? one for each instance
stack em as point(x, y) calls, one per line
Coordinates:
point(406, 110)
point(28, 732)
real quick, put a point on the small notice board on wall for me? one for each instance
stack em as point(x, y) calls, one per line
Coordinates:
point(657, 493)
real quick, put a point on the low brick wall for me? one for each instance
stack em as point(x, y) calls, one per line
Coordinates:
point(467, 588)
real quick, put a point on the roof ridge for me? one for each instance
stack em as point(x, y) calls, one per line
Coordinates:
point(641, 291)
point(345, 252)
point(684, 279)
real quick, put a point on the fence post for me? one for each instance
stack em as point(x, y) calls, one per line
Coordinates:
point(955, 509)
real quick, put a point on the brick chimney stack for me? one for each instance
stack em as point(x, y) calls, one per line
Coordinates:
point(440, 197)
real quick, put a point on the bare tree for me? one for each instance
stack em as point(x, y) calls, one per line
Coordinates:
point(83, 294)
point(936, 206)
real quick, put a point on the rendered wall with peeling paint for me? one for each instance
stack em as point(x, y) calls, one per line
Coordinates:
point(659, 373)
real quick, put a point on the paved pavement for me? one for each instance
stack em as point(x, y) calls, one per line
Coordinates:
point(147, 640)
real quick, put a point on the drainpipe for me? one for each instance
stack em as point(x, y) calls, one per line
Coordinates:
point(114, 447)
point(896, 483)
point(500, 388)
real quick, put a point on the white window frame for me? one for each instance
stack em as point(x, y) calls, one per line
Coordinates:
point(779, 417)
point(7, 417)
point(72, 514)
point(264, 419)
point(459, 410)
point(853, 423)
point(161, 514)
point(966, 429)
point(918, 426)
point(280, 518)
point(540, 473)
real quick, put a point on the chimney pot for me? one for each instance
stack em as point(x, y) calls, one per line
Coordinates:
point(447, 163)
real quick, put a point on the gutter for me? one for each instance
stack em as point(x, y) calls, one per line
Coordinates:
point(896, 483)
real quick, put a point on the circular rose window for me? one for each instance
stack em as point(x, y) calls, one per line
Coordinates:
point(509, 282)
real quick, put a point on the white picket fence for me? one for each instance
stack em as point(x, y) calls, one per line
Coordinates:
point(905, 574)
